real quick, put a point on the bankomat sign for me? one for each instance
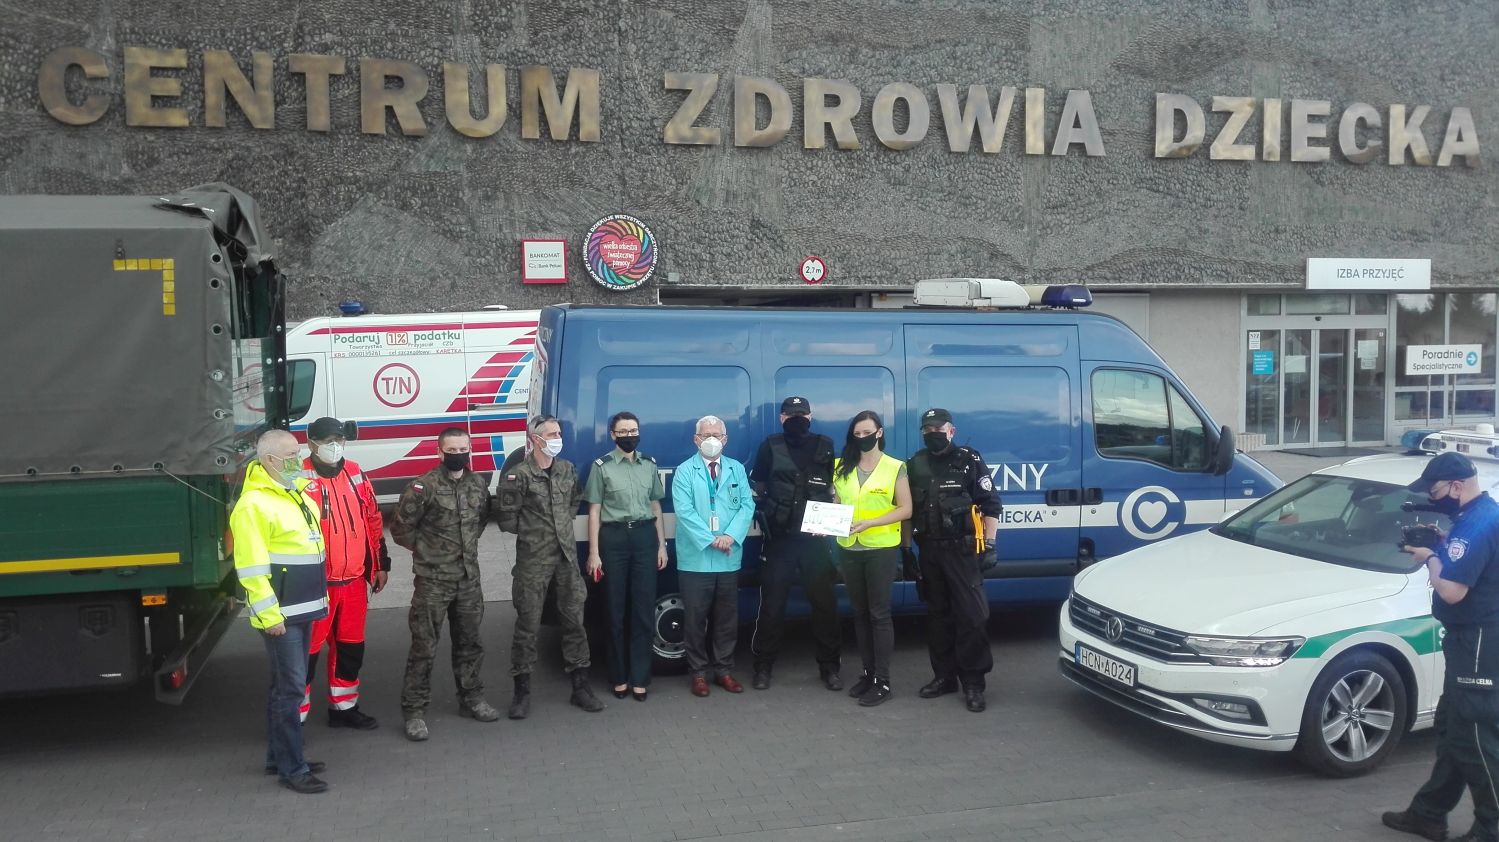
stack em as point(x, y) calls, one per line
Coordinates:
point(76, 87)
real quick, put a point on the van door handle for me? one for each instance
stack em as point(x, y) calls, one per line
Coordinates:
point(1064, 496)
point(474, 406)
point(1092, 496)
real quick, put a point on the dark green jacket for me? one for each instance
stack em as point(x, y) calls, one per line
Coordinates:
point(439, 519)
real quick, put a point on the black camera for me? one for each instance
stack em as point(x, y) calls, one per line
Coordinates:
point(1419, 535)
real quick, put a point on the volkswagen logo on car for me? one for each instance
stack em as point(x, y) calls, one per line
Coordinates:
point(1115, 629)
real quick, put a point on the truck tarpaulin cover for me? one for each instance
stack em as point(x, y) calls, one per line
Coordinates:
point(116, 323)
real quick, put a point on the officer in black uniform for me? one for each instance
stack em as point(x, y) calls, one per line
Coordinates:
point(947, 482)
point(1464, 573)
point(791, 468)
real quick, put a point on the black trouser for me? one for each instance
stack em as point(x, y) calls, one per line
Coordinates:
point(788, 558)
point(868, 575)
point(957, 636)
point(710, 597)
point(1467, 726)
point(629, 555)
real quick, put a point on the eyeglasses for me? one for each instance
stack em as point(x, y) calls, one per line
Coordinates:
point(719, 436)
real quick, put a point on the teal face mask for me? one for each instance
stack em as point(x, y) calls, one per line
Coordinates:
point(289, 473)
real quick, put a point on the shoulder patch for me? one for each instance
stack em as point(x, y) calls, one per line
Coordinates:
point(986, 483)
point(1457, 548)
point(418, 486)
point(648, 458)
point(599, 461)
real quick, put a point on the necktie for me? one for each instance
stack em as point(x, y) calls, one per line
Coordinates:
point(713, 471)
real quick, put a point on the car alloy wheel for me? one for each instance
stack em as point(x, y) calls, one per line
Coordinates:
point(1358, 716)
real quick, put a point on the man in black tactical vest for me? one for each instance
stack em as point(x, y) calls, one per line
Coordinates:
point(790, 469)
point(948, 482)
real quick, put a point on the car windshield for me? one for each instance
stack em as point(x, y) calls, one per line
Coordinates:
point(1340, 520)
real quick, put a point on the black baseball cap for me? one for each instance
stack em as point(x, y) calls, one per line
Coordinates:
point(796, 406)
point(1444, 467)
point(935, 417)
point(324, 428)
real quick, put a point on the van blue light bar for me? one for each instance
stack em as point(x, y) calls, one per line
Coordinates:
point(1069, 296)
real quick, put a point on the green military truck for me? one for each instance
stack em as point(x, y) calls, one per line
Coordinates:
point(144, 354)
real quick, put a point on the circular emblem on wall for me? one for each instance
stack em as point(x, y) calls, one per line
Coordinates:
point(619, 252)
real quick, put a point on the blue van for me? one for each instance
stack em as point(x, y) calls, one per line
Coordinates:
point(1095, 446)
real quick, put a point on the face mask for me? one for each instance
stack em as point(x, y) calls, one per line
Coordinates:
point(710, 448)
point(455, 461)
point(796, 426)
point(627, 443)
point(289, 473)
point(935, 441)
point(330, 453)
point(867, 443)
point(553, 447)
point(1448, 505)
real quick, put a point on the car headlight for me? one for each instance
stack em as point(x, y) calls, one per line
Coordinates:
point(1245, 652)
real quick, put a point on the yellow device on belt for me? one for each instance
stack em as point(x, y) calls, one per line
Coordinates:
point(978, 530)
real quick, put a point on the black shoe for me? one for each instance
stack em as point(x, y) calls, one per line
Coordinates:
point(306, 785)
point(639, 695)
point(313, 767)
point(1407, 822)
point(878, 692)
point(352, 718)
point(582, 696)
point(938, 687)
point(830, 678)
point(862, 685)
point(620, 694)
point(761, 681)
point(973, 697)
point(520, 703)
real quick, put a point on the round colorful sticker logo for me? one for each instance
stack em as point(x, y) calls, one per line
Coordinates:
point(619, 252)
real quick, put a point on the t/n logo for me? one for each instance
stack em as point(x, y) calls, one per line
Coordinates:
point(397, 385)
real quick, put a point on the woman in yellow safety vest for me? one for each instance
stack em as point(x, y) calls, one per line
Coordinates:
point(876, 486)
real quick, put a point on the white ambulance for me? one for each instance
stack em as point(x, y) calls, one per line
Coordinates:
point(405, 378)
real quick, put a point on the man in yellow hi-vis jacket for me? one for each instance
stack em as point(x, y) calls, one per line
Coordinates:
point(278, 556)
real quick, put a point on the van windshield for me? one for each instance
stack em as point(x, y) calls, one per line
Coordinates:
point(1339, 520)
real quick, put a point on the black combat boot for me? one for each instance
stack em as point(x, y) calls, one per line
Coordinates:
point(520, 703)
point(1407, 822)
point(830, 677)
point(583, 694)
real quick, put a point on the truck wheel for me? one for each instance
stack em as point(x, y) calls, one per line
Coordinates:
point(1354, 716)
point(669, 647)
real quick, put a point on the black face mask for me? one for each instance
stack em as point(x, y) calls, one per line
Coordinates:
point(1447, 505)
point(867, 443)
point(627, 443)
point(797, 426)
point(455, 461)
point(935, 441)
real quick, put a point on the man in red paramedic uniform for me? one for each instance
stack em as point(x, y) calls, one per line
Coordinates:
point(358, 562)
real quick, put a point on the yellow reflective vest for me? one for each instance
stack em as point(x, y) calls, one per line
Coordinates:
point(278, 551)
point(871, 500)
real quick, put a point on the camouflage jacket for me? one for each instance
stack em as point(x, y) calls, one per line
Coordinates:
point(539, 506)
point(439, 519)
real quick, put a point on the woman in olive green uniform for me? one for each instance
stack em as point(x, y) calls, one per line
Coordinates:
point(876, 486)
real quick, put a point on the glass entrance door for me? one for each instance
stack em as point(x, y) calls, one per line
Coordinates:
point(1316, 378)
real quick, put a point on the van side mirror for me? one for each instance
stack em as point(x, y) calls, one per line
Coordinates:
point(351, 430)
point(1223, 456)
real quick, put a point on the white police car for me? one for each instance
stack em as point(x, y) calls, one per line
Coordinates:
point(1296, 623)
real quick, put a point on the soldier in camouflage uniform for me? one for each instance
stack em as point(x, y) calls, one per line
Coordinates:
point(439, 519)
point(538, 499)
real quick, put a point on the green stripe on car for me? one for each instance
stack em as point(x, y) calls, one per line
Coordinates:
point(1419, 632)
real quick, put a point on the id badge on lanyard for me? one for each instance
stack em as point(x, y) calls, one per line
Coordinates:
point(712, 505)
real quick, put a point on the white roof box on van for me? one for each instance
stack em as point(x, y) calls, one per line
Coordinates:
point(970, 292)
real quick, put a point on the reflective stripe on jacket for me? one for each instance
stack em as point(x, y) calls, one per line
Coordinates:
point(278, 551)
point(874, 498)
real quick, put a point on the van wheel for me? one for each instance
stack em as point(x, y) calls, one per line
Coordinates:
point(669, 648)
point(1354, 716)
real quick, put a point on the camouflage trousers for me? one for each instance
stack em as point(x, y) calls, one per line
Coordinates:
point(461, 603)
point(533, 575)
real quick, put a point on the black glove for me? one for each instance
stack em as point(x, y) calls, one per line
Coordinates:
point(989, 558)
point(911, 571)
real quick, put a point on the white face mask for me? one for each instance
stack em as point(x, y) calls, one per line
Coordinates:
point(710, 448)
point(553, 447)
point(330, 453)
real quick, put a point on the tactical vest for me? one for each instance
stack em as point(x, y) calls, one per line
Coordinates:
point(789, 487)
point(944, 503)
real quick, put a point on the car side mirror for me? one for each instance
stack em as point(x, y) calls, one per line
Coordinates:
point(1223, 457)
point(351, 430)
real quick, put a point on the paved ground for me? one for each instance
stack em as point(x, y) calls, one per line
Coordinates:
point(795, 763)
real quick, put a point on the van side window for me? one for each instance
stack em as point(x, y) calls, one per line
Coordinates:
point(1011, 414)
point(301, 375)
point(1138, 415)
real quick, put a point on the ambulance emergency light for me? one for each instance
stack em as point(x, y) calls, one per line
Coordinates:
point(997, 293)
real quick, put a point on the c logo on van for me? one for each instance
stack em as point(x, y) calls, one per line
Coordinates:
point(1151, 513)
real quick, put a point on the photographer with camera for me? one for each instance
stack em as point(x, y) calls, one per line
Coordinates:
point(1464, 571)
